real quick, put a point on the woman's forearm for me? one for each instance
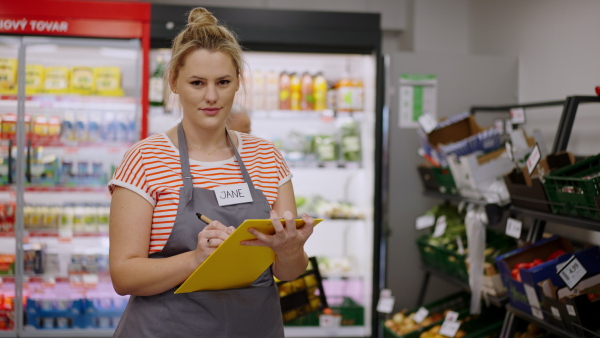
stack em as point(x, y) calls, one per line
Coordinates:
point(290, 267)
point(140, 276)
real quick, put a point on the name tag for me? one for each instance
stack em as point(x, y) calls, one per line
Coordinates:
point(233, 194)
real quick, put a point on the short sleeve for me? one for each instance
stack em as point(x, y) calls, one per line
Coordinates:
point(283, 171)
point(131, 174)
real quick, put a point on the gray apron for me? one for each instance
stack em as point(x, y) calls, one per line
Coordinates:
point(253, 311)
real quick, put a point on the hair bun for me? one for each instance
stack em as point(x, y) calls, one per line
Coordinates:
point(199, 17)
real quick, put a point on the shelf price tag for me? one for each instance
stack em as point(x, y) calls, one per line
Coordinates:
point(533, 159)
point(571, 310)
point(513, 228)
point(386, 301)
point(425, 221)
point(555, 312)
point(534, 303)
point(450, 325)
point(420, 315)
point(517, 115)
point(440, 227)
point(427, 122)
point(499, 125)
point(572, 272)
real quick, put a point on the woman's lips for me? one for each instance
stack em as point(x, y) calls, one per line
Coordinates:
point(211, 111)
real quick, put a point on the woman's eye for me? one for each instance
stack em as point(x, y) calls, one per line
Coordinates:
point(224, 82)
point(196, 83)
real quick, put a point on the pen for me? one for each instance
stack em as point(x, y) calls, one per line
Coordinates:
point(203, 218)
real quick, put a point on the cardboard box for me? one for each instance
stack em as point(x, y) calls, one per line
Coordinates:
point(527, 191)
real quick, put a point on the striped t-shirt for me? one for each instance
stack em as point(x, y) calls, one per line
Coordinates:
point(152, 169)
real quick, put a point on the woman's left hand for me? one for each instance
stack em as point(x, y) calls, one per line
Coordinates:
point(287, 240)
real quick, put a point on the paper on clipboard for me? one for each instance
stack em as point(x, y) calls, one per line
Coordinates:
point(233, 265)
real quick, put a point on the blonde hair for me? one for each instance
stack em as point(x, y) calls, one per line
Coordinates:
point(203, 31)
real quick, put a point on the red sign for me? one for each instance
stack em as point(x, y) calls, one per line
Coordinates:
point(71, 27)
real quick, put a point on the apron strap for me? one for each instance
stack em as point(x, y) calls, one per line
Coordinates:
point(247, 178)
point(188, 183)
point(184, 159)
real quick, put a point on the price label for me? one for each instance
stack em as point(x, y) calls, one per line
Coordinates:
point(386, 301)
point(517, 115)
point(572, 272)
point(449, 328)
point(536, 312)
point(386, 305)
point(532, 296)
point(427, 122)
point(65, 235)
point(425, 221)
point(499, 125)
point(440, 227)
point(420, 315)
point(451, 316)
point(513, 227)
point(571, 310)
point(555, 312)
point(509, 151)
point(533, 159)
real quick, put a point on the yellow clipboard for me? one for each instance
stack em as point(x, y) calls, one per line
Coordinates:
point(233, 265)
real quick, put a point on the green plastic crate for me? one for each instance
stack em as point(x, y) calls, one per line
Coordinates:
point(352, 314)
point(450, 261)
point(444, 178)
point(458, 302)
point(571, 192)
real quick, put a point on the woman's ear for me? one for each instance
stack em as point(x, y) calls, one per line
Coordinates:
point(172, 83)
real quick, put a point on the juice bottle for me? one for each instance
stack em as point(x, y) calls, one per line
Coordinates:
point(295, 91)
point(358, 94)
point(271, 91)
point(258, 90)
point(344, 91)
point(307, 101)
point(284, 91)
point(320, 92)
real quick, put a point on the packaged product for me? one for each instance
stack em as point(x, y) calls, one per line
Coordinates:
point(34, 79)
point(56, 80)
point(295, 91)
point(82, 81)
point(8, 76)
point(271, 91)
point(108, 81)
point(284, 91)
point(320, 92)
point(258, 90)
point(307, 100)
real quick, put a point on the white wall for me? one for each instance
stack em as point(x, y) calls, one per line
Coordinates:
point(441, 26)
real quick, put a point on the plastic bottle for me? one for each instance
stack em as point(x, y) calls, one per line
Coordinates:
point(295, 91)
point(157, 83)
point(344, 95)
point(307, 101)
point(258, 90)
point(358, 92)
point(320, 92)
point(271, 91)
point(284, 91)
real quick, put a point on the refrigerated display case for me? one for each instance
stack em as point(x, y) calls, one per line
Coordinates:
point(71, 93)
point(313, 86)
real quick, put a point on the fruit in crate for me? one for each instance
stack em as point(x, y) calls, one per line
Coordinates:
point(434, 332)
point(401, 323)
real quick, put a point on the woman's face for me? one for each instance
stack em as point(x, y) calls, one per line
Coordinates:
point(206, 85)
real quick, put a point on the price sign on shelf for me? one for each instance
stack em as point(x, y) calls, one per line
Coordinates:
point(386, 301)
point(425, 221)
point(450, 325)
point(420, 315)
point(513, 227)
point(440, 227)
point(427, 122)
point(572, 272)
point(533, 159)
point(517, 115)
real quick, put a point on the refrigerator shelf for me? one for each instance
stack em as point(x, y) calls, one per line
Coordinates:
point(111, 103)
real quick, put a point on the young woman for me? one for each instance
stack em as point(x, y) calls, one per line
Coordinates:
point(156, 239)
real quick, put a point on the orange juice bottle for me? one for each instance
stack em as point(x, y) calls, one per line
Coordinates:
point(284, 91)
point(344, 93)
point(295, 91)
point(320, 92)
point(307, 100)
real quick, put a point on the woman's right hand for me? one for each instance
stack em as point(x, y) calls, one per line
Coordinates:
point(209, 239)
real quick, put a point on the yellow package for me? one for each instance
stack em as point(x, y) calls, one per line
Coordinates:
point(34, 79)
point(82, 81)
point(56, 80)
point(8, 76)
point(108, 81)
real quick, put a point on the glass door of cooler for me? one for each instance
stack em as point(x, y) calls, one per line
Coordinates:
point(9, 50)
point(80, 113)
